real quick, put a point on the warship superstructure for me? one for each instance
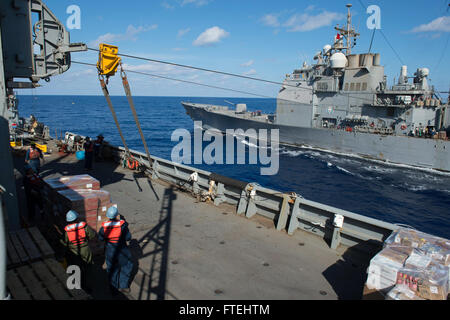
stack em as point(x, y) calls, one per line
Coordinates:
point(343, 104)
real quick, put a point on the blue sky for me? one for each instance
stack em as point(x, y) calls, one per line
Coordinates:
point(264, 39)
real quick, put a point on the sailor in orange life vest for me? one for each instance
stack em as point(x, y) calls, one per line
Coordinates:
point(88, 153)
point(33, 157)
point(119, 263)
point(76, 237)
point(32, 184)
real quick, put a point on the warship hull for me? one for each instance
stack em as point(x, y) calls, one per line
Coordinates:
point(390, 149)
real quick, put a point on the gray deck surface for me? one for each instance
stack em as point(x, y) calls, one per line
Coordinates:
point(184, 249)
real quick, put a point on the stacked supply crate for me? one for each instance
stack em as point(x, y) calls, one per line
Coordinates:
point(412, 266)
point(82, 194)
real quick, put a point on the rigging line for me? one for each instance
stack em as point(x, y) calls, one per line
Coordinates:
point(398, 56)
point(215, 87)
point(443, 53)
point(229, 74)
point(195, 68)
point(371, 40)
point(179, 80)
point(385, 38)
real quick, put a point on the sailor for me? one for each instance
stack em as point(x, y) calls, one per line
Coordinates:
point(433, 132)
point(119, 262)
point(98, 144)
point(88, 153)
point(32, 184)
point(76, 237)
point(33, 157)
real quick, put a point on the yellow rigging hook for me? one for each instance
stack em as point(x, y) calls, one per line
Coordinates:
point(108, 60)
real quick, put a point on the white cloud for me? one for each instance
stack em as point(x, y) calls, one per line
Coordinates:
point(249, 72)
point(270, 20)
point(210, 36)
point(159, 69)
point(198, 3)
point(441, 24)
point(247, 64)
point(305, 22)
point(167, 5)
point(182, 32)
point(130, 34)
point(301, 22)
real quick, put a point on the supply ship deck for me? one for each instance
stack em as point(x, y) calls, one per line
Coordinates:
point(186, 249)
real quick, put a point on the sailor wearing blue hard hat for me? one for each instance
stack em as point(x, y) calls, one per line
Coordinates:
point(76, 237)
point(118, 258)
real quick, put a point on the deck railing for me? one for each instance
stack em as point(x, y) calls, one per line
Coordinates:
point(290, 212)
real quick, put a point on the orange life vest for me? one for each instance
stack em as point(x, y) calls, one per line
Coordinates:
point(76, 233)
point(113, 230)
point(132, 164)
point(34, 154)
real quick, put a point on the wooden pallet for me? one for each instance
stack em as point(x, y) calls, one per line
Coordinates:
point(41, 280)
point(25, 246)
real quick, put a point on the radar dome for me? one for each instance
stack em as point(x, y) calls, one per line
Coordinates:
point(338, 60)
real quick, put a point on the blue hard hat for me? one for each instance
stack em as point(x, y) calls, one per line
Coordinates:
point(112, 213)
point(71, 216)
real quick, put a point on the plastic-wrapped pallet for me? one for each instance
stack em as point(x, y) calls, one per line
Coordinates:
point(437, 248)
point(53, 185)
point(82, 181)
point(424, 273)
point(383, 269)
point(85, 202)
point(425, 276)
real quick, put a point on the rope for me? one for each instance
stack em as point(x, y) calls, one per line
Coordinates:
point(179, 80)
point(126, 87)
point(223, 73)
point(222, 88)
point(108, 99)
point(385, 38)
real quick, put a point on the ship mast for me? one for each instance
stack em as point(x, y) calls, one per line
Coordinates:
point(348, 31)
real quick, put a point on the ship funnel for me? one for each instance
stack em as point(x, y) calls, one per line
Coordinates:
point(376, 59)
point(353, 60)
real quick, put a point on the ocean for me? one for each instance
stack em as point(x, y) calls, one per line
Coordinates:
point(420, 199)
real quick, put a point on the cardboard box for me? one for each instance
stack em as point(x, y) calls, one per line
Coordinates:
point(372, 294)
point(400, 292)
point(430, 291)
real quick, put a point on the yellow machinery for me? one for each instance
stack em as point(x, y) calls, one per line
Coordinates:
point(108, 60)
point(42, 147)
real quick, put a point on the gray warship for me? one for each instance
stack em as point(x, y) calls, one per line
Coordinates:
point(342, 104)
